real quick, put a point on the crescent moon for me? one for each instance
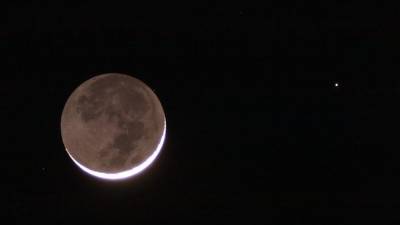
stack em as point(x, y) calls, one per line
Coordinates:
point(128, 173)
point(113, 126)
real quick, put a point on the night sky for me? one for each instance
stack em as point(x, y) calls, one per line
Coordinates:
point(276, 113)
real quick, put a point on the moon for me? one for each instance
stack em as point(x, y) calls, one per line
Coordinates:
point(113, 126)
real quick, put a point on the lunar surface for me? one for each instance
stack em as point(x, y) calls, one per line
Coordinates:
point(113, 126)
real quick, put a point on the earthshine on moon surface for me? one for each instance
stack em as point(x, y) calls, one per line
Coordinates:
point(113, 126)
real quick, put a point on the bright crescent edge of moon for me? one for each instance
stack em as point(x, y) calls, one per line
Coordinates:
point(127, 173)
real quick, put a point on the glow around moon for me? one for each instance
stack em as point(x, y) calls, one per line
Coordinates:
point(128, 173)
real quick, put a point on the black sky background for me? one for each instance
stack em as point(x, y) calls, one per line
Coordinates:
point(257, 133)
